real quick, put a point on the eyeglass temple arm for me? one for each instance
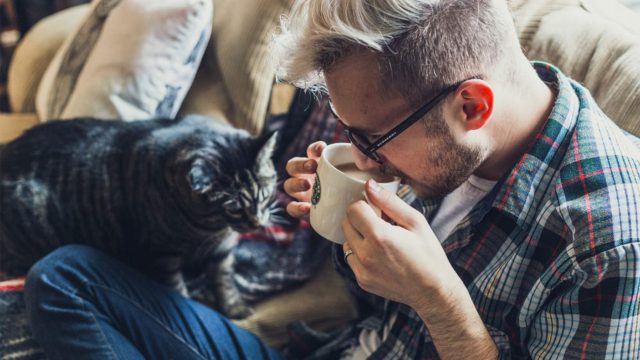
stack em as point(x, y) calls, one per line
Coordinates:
point(405, 124)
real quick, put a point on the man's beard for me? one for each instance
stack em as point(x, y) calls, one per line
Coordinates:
point(455, 164)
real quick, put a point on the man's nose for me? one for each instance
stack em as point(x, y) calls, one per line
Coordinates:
point(363, 162)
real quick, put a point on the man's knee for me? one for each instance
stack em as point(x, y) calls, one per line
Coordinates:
point(58, 265)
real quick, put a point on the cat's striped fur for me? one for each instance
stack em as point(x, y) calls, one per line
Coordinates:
point(155, 194)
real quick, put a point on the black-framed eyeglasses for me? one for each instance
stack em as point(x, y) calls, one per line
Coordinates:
point(370, 149)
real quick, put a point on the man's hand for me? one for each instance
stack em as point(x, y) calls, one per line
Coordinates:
point(394, 261)
point(302, 171)
point(406, 263)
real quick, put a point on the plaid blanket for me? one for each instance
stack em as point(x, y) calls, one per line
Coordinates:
point(286, 254)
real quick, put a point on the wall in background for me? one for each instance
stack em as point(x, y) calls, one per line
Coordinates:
point(30, 11)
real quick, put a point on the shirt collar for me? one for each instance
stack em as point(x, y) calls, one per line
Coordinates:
point(530, 176)
point(521, 188)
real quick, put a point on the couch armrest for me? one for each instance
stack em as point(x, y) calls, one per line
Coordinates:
point(323, 303)
point(12, 125)
point(33, 54)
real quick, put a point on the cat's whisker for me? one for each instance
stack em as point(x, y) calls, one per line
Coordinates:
point(277, 210)
point(274, 205)
point(281, 220)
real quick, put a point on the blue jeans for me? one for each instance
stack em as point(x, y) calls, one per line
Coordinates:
point(83, 304)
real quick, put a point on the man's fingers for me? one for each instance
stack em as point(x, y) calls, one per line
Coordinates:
point(351, 235)
point(353, 261)
point(299, 210)
point(363, 219)
point(315, 150)
point(390, 204)
point(295, 186)
point(300, 165)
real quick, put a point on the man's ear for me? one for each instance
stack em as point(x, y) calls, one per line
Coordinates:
point(477, 96)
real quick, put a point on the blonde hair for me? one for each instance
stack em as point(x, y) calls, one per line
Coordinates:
point(422, 45)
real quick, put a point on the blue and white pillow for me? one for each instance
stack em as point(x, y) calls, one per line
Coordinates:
point(128, 60)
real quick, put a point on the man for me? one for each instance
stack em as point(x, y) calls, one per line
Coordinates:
point(528, 242)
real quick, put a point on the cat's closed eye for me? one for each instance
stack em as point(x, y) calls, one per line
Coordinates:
point(215, 197)
point(232, 205)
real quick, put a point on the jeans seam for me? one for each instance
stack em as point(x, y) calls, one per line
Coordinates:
point(74, 293)
point(113, 353)
point(87, 283)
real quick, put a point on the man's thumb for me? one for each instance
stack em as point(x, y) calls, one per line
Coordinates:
point(391, 205)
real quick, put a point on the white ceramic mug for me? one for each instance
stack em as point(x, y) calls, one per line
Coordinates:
point(338, 184)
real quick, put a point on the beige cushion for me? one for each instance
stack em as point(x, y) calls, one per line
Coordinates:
point(281, 98)
point(594, 42)
point(34, 54)
point(241, 33)
point(528, 14)
point(208, 94)
point(323, 303)
point(13, 125)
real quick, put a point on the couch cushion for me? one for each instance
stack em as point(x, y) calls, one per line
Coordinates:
point(13, 125)
point(594, 44)
point(241, 36)
point(130, 59)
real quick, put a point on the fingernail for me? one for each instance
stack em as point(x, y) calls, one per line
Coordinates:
point(374, 187)
point(304, 208)
point(309, 165)
point(317, 148)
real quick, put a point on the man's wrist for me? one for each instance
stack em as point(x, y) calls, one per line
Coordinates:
point(454, 324)
point(445, 295)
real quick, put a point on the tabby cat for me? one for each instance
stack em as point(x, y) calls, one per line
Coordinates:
point(156, 194)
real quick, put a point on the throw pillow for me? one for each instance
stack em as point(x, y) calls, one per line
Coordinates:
point(129, 59)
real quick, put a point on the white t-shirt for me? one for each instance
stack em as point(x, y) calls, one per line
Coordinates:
point(453, 209)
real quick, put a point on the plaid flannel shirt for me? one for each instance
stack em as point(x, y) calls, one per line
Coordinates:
point(551, 256)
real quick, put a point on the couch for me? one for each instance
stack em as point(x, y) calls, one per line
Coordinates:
point(597, 42)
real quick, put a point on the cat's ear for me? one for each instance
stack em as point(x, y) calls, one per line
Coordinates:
point(266, 144)
point(200, 176)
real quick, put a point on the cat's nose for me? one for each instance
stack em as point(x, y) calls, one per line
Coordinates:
point(256, 223)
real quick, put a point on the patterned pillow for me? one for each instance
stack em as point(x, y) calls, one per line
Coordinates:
point(128, 59)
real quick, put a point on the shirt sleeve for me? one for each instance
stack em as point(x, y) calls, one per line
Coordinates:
point(502, 342)
point(593, 312)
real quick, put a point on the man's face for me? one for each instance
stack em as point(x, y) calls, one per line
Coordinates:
point(426, 156)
